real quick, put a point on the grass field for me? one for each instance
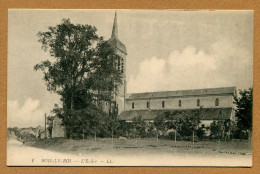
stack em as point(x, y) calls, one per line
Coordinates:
point(141, 152)
point(142, 146)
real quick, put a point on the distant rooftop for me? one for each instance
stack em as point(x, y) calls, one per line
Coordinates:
point(182, 93)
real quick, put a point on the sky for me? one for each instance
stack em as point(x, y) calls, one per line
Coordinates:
point(167, 50)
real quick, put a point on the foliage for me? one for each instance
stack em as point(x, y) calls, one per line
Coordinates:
point(171, 136)
point(71, 46)
point(200, 133)
point(171, 125)
point(25, 134)
point(112, 120)
point(188, 123)
point(50, 124)
point(15, 130)
point(81, 61)
point(125, 129)
point(82, 72)
point(105, 77)
point(160, 123)
point(214, 129)
point(243, 111)
point(221, 129)
point(139, 127)
point(151, 131)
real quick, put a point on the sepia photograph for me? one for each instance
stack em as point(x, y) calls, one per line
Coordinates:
point(130, 87)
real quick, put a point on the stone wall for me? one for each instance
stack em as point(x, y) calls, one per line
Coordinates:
point(186, 102)
point(122, 88)
point(58, 130)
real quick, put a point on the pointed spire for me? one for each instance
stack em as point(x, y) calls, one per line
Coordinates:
point(115, 30)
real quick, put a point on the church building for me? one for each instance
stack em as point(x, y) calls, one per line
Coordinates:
point(148, 105)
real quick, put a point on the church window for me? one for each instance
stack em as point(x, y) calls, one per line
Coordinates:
point(198, 102)
point(118, 65)
point(118, 62)
point(122, 67)
point(148, 104)
point(163, 104)
point(133, 105)
point(217, 102)
point(179, 103)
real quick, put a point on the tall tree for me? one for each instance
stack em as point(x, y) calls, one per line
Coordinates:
point(243, 111)
point(82, 70)
point(72, 49)
point(82, 60)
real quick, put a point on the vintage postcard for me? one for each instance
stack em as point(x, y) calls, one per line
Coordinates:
point(130, 88)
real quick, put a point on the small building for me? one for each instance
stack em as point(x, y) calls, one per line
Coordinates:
point(42, 135)
point(58, 129)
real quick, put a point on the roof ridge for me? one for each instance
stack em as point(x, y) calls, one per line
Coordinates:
point(182, 90)
point(179, 93)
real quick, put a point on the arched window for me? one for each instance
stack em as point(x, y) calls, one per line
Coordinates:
point(198, 102)
point(118, 64)
point(122, 66)
point(163, 104)
point(133, 105)
point(217, 102)
point(179, 103)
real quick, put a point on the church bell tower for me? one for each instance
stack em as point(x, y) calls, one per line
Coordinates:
point(120, 49)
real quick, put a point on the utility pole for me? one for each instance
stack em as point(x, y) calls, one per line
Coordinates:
point(45, 126)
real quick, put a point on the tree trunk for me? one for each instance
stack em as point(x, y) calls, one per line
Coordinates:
point(72, 101)
point(157, 135)
point(112, 139)
point(193, 138)
point(95, 135)
point(83, 134)
point(223, 132)
point(134, 132)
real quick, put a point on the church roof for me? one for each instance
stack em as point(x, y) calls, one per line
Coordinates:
point(206, 114)
point(115, 28)
point(114, 41)
point(183, 93)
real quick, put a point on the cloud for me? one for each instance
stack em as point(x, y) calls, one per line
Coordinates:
point(29, 114)
point(224, 64)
